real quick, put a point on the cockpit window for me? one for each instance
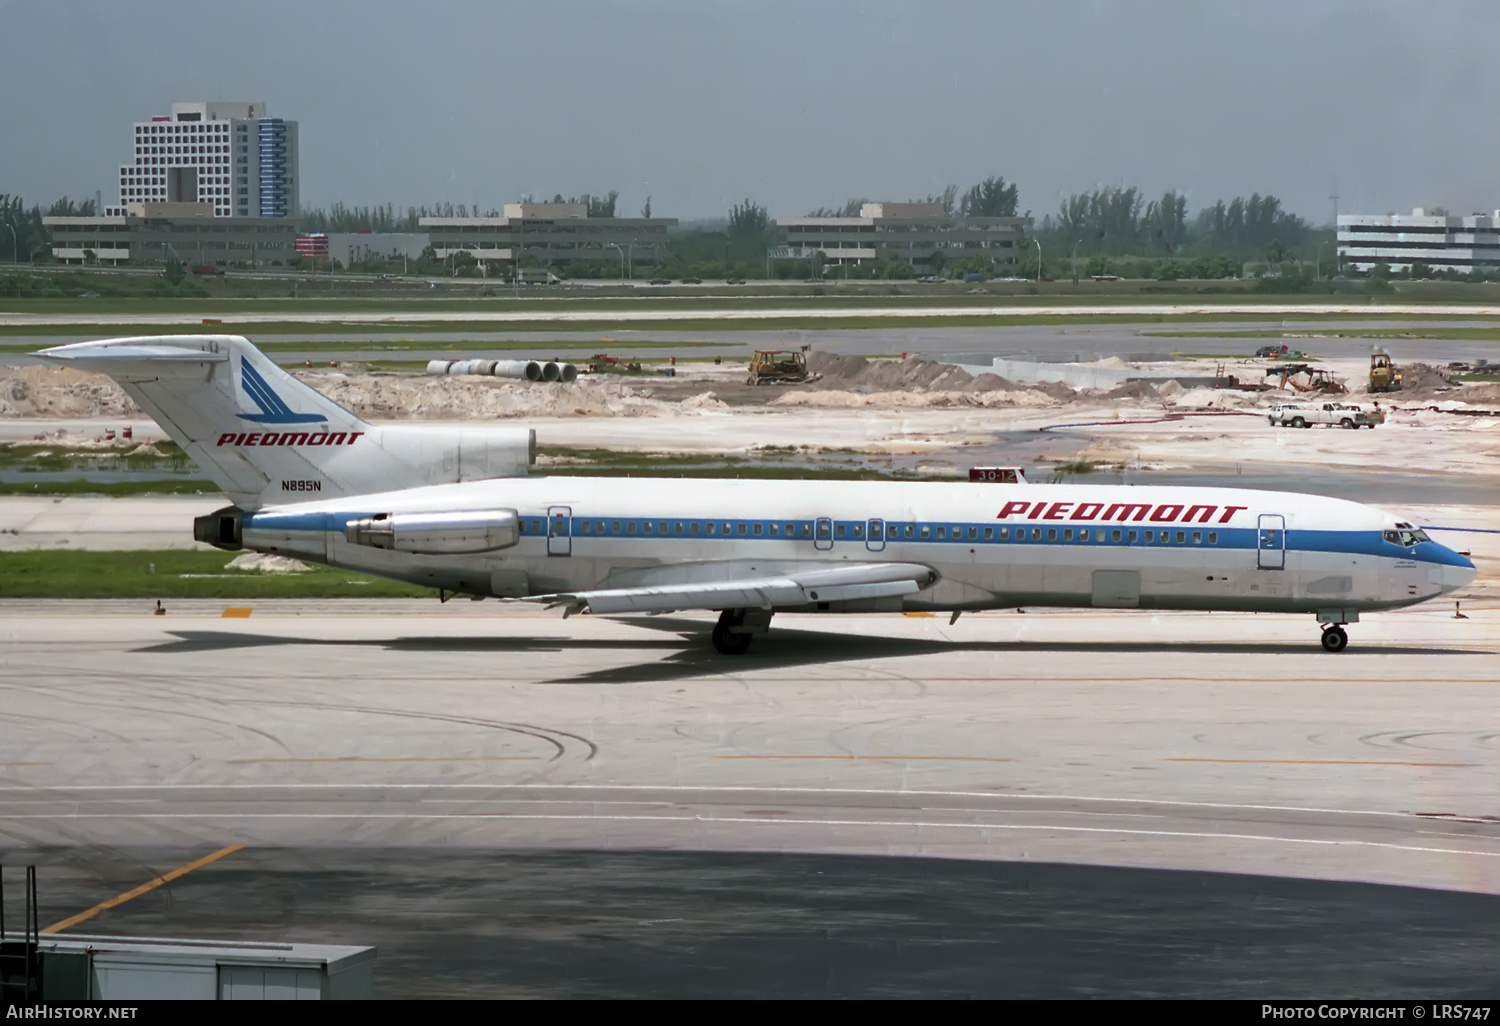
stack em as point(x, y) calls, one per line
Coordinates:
point(1420, 535)
point(1392, 537)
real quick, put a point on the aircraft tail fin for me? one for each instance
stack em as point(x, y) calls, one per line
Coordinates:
point(265, 437)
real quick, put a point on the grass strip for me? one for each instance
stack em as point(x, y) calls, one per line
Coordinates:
point(114, 489)
point(75, 574)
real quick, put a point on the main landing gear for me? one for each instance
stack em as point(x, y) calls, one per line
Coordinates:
point(736, 627)
point(1335, 638)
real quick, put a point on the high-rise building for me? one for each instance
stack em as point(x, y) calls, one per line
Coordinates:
point(227, 156)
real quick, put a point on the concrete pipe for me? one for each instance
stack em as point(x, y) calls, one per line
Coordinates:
point(569, 373)
point(551, 371)
point(438, 366)
point(486, 367)
point(526, 370)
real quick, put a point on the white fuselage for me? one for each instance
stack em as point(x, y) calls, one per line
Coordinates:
point(991, 545)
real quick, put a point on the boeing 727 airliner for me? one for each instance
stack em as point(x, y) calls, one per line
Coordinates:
point(456, 509)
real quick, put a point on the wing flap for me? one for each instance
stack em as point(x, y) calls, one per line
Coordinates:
point(816, 584)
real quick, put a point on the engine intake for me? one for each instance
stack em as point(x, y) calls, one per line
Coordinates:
point(437, 534)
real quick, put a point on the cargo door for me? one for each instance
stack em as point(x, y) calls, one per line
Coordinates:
point(1270, 542)
point(559, 530)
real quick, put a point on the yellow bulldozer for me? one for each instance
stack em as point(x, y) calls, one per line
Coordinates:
point(778, 367)
point(1385, 376)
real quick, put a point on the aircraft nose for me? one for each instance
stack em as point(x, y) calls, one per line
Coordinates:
point(1455, 572)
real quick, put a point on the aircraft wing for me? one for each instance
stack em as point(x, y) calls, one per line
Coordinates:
point(817, 582)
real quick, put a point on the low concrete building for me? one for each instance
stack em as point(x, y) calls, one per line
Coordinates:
point(919, 233)
point(153, 233)
point(94, 968)
point(550, 236)
point(1441, 241)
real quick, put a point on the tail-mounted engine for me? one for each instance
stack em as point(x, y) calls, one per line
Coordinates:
point(223, 529)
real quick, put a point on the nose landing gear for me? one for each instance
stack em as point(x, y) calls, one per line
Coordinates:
point(1335, 638)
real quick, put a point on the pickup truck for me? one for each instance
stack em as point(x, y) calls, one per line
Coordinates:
point(1345, 415)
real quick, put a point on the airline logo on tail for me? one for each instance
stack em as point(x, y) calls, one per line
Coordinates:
point(273, 409)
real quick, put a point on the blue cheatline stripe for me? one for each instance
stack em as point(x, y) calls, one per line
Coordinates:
point(539, 525)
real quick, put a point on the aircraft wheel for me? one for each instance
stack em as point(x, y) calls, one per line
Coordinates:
point(727, 642)
point(1335, 639)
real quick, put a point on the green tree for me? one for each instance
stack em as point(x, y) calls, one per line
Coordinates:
point(749, 220)
point(1167, 269)
point(174, 272)
point(990, 198)
point(1421, 269)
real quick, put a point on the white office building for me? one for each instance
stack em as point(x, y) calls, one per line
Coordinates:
point(546, 235)
point(922, 234)
point(1441, 241)
point(230, 157)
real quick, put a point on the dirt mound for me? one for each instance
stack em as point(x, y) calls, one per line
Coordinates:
point(1424, 378)
point(477, 398)
point(1483, 395)
point(1131, 390)
point(857, 374)
point(840, 398)
point(61, 392)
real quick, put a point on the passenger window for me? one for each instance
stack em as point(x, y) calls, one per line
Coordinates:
point(774, 529)
point(973, 533)
point(1036, 534)
point(710, 528)
point(989, 532)
point(908, 530)
point(759, 529)
point(1213, 537)
point(662, 527)
point(1181, 537)
point(630, 527)
point(583, 527)
point(598, 527)
point(1197, 537)
point(677, 527)
point(942, 533)
point(742, 529)
point(1150, 537)
point(1133, 536)
point(1004, 533)
point(838, 530)
point(1052, 534)
point(1114, 535)
point(693, 527)
point(727, 528)
point(859, 530)
point(614, 527)
point(1166, 536)
point(536, 526)
point(791, 530)
point(646, 527)
point(926, 530)
point(1067, 534)
point(1083, 534)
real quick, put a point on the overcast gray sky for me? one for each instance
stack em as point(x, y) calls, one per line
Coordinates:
point(797, 104)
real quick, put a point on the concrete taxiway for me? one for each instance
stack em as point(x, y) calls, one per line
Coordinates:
point(1182, 741)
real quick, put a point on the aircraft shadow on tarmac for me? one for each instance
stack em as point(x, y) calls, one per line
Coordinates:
point(689, 655)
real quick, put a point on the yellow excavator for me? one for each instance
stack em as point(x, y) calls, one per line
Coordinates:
point(1385, 376)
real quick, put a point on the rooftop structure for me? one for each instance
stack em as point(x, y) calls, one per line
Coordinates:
point(922, 234)
point(1441, 241)
point(231, 157)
